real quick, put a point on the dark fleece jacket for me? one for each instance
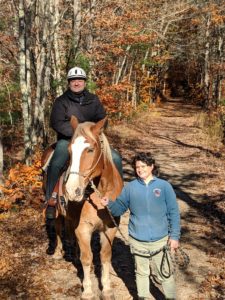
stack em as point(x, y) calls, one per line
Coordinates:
point(85, 106)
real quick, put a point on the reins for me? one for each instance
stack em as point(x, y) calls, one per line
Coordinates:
point(179, 257)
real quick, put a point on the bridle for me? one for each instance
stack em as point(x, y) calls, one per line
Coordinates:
point(88, 173)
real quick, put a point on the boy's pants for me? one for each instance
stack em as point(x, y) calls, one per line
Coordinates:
point(142, 268)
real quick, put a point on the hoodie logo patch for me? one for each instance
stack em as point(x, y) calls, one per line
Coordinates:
point(157, 192)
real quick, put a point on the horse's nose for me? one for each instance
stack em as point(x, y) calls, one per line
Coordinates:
point(78, 192)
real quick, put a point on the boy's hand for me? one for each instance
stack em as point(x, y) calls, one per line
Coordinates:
point(104, 201)
point(173, 245)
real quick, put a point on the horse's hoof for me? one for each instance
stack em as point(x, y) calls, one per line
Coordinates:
point(57, 256)
point(69, 258)
point(88, 297)
point(50, 250)
point(107, 295)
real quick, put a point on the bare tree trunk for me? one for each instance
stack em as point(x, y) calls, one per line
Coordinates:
point(56, 54)
point(37, 13)
point(146, 56)
point(221, 52)
point(131, 70)
point(217, 76)
point(77, 24)
point(129, 78)
point(207, 64)
point(90, 36)
point(24, 59)
point(45, 31)
point(76, 35)
point(134, 93)
point(119, 73)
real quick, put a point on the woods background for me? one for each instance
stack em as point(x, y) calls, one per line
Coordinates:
point(136, 54)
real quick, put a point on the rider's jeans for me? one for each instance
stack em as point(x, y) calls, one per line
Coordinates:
point(58, 161)
point(142, 268)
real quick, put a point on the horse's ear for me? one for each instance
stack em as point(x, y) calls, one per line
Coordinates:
point(74, 122)
point(99, 126)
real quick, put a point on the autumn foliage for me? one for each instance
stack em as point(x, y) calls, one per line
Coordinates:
point(23, 186)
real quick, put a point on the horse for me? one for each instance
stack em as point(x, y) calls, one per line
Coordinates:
point(91, 163)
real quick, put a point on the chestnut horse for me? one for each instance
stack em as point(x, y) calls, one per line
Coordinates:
point(91, 162)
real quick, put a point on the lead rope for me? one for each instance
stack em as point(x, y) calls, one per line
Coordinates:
point(179, 258)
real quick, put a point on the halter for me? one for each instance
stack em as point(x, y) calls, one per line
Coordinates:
point(90, 170)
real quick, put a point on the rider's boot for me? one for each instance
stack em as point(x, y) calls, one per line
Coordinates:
point(52, 237)
point(50, 224)
point(51, 207)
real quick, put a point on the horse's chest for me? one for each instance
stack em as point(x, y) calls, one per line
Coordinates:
point(92, 214)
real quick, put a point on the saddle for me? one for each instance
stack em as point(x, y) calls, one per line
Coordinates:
point(46, 157)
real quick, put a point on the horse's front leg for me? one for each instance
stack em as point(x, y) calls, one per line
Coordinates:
point(83, 233)
point(106, 256)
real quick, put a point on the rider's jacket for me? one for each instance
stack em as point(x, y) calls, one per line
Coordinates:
point(85, 106)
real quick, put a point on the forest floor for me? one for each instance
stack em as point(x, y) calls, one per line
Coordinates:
point(194, 164)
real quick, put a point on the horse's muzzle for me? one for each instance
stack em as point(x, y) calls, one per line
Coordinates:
point(75, 195)
point(78, 192)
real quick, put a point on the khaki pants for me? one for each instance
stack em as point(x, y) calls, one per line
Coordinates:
point(142, 268)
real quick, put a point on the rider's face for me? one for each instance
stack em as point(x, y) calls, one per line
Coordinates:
point(77, 85)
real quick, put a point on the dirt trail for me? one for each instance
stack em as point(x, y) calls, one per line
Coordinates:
point(193, 165)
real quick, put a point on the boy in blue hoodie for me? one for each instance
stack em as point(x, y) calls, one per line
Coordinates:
point(154, 221)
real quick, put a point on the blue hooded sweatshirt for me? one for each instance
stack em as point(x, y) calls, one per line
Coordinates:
point(154, 211)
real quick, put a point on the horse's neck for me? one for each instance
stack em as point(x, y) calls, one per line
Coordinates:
point(110, 183)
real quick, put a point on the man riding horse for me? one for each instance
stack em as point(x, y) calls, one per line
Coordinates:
point(77, 101)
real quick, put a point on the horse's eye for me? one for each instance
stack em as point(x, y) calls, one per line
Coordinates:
point(90, 150)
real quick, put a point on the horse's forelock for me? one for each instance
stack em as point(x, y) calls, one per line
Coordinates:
point(84, 129)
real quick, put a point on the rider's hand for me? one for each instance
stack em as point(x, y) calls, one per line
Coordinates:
point(173, 245)
point(104, 201)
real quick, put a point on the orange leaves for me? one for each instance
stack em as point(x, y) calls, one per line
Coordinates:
point(23, 184)
point(111, 95)
point(5, 205)
point(16, 195)
point(24, 175)
point(147, 83)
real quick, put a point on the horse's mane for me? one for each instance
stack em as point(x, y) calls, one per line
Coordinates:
point(106, 148)
point(84, 129)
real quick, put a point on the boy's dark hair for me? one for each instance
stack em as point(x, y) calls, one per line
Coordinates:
point(145, 157)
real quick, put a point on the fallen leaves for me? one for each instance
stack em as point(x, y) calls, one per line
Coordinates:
point(24, 184)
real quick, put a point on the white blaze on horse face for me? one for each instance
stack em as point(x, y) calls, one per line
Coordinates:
point(75, 182)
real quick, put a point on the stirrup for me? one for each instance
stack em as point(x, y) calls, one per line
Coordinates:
point(50, 210)
point(52, 202)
